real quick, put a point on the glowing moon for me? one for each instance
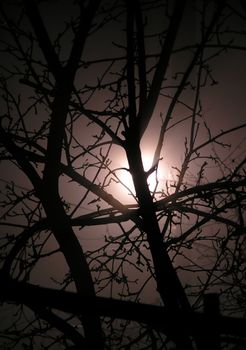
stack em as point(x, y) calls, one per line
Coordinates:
point(158, 175)
point(125, 179)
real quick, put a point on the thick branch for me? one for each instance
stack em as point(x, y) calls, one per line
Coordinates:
point(56, 321)
point(157, 317)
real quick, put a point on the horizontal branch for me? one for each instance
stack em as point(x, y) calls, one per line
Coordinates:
point(157, 317)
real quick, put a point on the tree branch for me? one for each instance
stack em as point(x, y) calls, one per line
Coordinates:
point(162, 65)
point(157, 317)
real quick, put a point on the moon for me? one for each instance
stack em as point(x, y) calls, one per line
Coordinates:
point(125, 187)
point(154, 180)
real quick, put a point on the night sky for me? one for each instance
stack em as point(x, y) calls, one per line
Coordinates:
point(222, 106)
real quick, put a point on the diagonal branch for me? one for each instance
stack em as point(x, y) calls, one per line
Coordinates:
point(56, 321)
point(19, 155)
point(198, 190)
point(162, 65)
point(20, 243)
point(45, 44)
point(130, 62)
point(141, 57)
point(86, 16)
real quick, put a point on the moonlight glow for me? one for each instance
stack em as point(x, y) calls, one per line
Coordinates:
point(157, 176)
point(155, 180)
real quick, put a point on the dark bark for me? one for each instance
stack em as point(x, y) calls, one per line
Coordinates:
point(157, 317)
